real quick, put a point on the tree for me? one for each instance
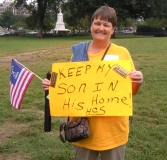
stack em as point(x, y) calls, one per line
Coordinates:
point(38, 10)
point(155, 22)
point(124, 8)
point(49, 22)
point(75, 10)
point(130, 23)
point(7, 19)
point(31, 21)
point(19, 21)
point(159, 9)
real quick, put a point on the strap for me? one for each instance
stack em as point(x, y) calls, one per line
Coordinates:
point(106, 51)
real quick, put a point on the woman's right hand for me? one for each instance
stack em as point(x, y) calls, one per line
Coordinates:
point(45, 84)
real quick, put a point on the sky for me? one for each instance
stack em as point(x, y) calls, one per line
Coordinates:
point(3, 0)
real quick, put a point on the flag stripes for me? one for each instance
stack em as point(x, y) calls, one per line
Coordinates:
point(18, 88)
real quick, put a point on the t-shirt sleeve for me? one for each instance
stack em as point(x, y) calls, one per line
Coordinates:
point(130, 58)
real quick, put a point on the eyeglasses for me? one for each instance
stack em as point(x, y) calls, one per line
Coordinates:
point(62, 125)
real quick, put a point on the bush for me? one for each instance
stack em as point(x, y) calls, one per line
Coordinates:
point(166, 29)
point(148, 30)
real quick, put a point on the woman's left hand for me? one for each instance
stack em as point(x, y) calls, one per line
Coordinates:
point(136, 76)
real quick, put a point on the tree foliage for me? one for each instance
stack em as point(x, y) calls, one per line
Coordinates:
point(38, 10)
point(19, 21)
point(155, 22)
point(7, 19)
point(77, 9)
point(77, 13)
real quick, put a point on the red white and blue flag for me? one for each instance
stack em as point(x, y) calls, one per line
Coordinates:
point(20, 79)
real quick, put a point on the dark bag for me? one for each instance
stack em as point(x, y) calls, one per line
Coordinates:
point(75, 130)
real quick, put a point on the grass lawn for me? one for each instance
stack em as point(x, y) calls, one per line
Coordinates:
point(22, 135)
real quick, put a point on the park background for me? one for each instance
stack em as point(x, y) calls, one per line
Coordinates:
point(39, 18)
point(22, 135)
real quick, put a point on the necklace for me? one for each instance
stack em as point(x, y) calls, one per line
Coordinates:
point(106, 51)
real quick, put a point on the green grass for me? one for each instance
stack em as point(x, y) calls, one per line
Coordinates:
point(28, 44)
point(22, 136)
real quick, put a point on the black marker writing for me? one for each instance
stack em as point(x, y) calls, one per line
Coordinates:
point(97, 86)
point(71, 88)
point(68, 103)
point(112, 86)
point(100, 68)
point(95, 111)
point(61, 73)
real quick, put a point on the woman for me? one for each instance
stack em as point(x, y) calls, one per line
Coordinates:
point(109, 135)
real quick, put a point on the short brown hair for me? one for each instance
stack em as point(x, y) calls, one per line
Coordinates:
point(106, 13)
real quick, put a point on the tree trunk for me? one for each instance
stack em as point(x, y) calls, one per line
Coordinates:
point(41, 14)
point(40, 26)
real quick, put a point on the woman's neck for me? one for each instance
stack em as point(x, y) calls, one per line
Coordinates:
point(96, 47)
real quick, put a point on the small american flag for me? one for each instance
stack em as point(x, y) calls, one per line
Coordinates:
point(20, 79)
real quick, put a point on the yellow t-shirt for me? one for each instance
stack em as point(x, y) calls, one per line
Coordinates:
point(110, 131)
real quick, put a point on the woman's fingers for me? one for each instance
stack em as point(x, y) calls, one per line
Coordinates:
point(45, 84)
point(136, 76)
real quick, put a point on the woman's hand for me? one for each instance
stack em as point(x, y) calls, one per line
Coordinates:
point(136, 76)
point(137, 79)
point(45, 84)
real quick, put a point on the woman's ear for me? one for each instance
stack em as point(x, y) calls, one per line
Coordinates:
point(113, 29)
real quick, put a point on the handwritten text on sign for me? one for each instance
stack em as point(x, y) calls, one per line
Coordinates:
point(94, 88)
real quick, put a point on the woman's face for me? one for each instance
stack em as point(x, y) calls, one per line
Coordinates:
point(101, 30)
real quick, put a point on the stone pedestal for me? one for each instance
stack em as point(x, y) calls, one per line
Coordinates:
point(60, 26)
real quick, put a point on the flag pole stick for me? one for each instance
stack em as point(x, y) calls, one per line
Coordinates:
point(29, 70)
point(47, 116)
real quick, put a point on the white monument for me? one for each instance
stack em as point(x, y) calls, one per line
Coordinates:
point(60, 27)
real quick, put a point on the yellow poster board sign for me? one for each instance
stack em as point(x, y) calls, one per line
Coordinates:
point(92, 88)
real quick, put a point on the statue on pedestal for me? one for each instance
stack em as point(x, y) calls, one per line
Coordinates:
point(60, 26)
